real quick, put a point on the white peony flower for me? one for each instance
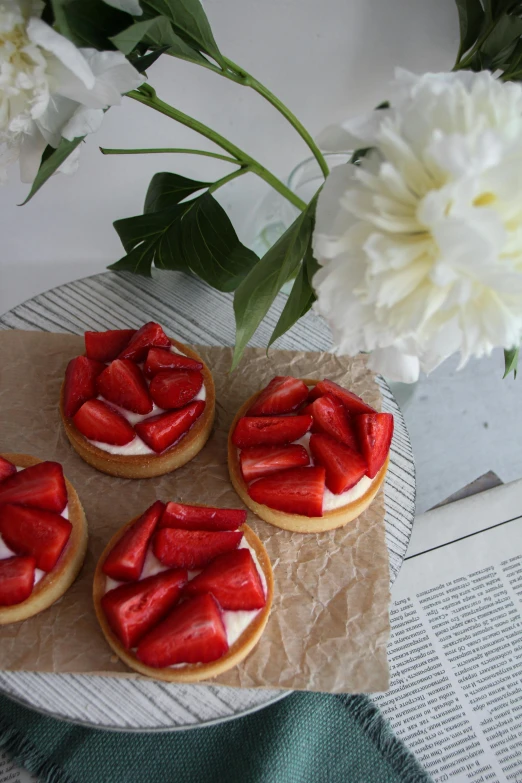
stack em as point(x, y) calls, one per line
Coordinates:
point(421, 246)
point(49, 89)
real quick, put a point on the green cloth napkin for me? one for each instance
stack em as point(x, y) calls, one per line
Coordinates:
point(305, 737)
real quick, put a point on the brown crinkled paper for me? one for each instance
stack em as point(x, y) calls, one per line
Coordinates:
point(329, 622)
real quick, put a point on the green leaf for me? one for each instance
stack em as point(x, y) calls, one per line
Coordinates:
point(156, 32)
point(93, 23)
point(52, 159)
point(301, 297)
point(145, 61)
point(258, 290)
point(511, 362)
point(507, 30)
point(471, 19)
point(191, 23)
point(167, 189)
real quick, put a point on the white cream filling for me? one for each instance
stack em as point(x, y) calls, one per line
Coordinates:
point(235, 622)
point(138, 447)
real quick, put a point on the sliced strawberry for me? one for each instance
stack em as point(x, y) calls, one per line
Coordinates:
point(332, 418)
point(375, 432)
point(105, 346)
point(296, 491)
point(41, 485)
point(283, 394)
point(80, 383)
point(192, 548)
point(233, 580)
point(6, 469)
point(125, 560)
point(307, 410)
point(351, 401)
point(16, 580)
point(262, 460)
point(122, 383)
point(160, 359)
point(193, 632)
point(344, 467)
point(175, 388)
point(35, 532)
point(201, 517)
point(151, 334)
point(132, 610)
point(269, 430)
point(162, 431)
point(98, 421)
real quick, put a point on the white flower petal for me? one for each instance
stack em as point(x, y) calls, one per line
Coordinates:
point(335, 138)
point(82, 122)
point(65, 51)
point(31, 149)
point(394, 365)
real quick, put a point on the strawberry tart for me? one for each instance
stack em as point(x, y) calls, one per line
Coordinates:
point(43, 536)
point(183, 593)
point(308, 455)
point(138, 403)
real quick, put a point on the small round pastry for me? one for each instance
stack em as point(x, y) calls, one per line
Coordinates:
point(43, 536)
point(307, 455)
point(183, 593)
point(138, 404)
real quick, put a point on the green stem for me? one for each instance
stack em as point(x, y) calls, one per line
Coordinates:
point(107, 151)
point(164, 108)
point(229, 177)
point(252, 82)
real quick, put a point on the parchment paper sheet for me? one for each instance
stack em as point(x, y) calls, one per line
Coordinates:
point(329, 622)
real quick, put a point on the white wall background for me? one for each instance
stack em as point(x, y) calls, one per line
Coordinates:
point(326, 59)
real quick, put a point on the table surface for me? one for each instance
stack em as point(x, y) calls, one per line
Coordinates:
point(196, 314)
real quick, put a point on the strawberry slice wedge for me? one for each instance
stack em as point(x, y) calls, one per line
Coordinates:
point(175, 388)
point(296, 491)
point(201, 517)
point(351, 401)
point(344, 467)
point(151, 334)
point(162, 431)
point(6, 468)
point(193, 632)
point(192, 548)
point(233, 580)
point(125, 560)
point(260, 461)
point(375, 432)
point(160, 359)
point(98, 421)
point(283, 394)
point(41, 485)
point(122, 383)
point(133, 609)
point(35, 532)
point(80, 383)
point(105, 346)
point(269, 430)
point(331, 418)
point(16, 580)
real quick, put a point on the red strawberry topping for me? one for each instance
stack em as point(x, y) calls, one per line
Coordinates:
point(269, 430)
point(160, 359)
point(233, 580)
point(295, 491)
point(192, 548)
point(201, 517)
point(151, 334)
point(161, 432)
point(122, 383)
point(133, 609)
point(41, 485)
point(283, 394)
point(80, 383)
point(98, 421)
point(344, 466)
point(6, 469)
point(331, 418)
point(375, 432)
point(16, 580)
point(192, 633)
point(260, 461)
point(105, 346)
point(351, 401)
point(175, 388)
point(125, 560)
point(35, 532)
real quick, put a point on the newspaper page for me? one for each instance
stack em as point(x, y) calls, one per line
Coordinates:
point(10, 773)
point(455, 649)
